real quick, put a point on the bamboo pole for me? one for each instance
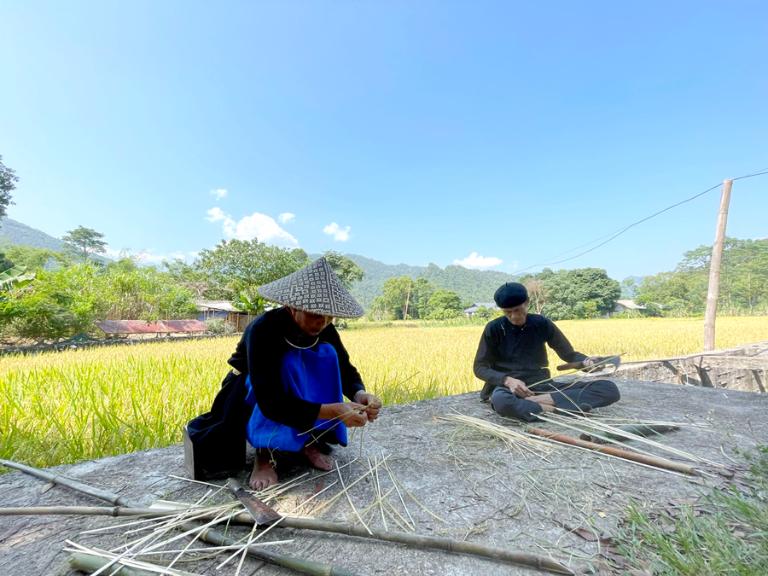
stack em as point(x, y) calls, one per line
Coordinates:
point(88, 563)
point(110, 497)
point(208, 535)
point(435, 543)
point(655, 461)
point(713, 287)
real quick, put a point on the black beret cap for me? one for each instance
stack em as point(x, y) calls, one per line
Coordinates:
point(510, 294)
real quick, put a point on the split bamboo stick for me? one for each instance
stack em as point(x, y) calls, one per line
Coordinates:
point(654, 461)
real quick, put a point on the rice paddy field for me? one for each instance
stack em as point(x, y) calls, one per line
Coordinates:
point(61, 407)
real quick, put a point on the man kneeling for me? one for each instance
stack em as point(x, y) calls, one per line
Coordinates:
point(511, 360)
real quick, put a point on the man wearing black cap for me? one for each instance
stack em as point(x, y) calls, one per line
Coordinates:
point(512, 361)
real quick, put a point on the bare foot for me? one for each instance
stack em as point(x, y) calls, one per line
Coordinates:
point(263, 474)
point(317, 459)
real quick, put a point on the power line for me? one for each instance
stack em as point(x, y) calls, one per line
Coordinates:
point(633, 224)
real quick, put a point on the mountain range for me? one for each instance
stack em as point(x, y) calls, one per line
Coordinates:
point(473, 286)
point(14, 232)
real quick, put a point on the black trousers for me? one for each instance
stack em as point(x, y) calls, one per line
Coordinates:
point(578, 397)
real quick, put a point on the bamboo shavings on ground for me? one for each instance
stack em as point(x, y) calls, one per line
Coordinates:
point(516, 441)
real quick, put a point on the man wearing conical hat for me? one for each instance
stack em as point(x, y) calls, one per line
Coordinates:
point(285, 391)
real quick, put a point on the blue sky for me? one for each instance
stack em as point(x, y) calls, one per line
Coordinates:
point(494, 134)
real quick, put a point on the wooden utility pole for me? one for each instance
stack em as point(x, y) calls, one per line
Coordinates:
point(713, 290)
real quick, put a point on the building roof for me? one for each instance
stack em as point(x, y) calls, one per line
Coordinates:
point(144, 327)
point(224, 305)
point(477, 305)
point(630, 304)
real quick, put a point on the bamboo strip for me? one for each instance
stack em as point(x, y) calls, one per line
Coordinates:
point(625, 454)
point(412, 524)
point(349, 499)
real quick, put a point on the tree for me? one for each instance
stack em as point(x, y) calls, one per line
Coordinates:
point(33, 258)
point(237, 265)
point(56, 304)
point(67, 301)
point(404, 298)
point(347, 271)
point(420, 298)
point(127, 291)
point(395, 299)
point(8, 181)
point(191, 277)
point(85, 241)
point(444, 304)
point(743, 281)
point(578, 293)
point(5, 263)
point(537, 294)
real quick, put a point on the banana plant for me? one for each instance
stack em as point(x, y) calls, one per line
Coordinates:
point(15, 277)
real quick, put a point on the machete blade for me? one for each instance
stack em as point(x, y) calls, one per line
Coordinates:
point(262, 514)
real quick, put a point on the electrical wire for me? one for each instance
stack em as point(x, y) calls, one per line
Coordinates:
point(633, 224)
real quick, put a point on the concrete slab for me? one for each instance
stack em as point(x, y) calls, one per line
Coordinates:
point(482, 491)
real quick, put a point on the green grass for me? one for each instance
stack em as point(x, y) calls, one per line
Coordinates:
point(726, 534)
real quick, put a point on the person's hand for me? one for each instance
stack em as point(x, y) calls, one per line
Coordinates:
point(351, 413)
point(591, 363)
point(371, 402)
point(517, 387)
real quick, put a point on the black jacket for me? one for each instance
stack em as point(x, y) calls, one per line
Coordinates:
point(218, 436)
point(518, 351)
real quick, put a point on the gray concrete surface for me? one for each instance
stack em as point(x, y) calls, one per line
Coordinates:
point(483, 491)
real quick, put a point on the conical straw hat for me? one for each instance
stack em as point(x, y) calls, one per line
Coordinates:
point(315, 288)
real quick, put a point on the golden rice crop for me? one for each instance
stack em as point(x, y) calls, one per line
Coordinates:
point(65, 406)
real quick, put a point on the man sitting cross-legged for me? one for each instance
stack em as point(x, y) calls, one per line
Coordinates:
point(511, 360)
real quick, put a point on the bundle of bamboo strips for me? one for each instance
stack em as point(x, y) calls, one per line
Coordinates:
point(517, 441)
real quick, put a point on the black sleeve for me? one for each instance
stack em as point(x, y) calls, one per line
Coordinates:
point(485, 360)
point(266, 347)
point(560, 344)
point(351, 382)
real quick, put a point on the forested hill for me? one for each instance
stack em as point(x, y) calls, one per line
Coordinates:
point(470, 285)
point(16, 233)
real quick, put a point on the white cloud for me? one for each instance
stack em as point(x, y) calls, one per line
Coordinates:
point(477, 262)
point(257, 225)
point(339, 234)
point(215, 214)
point(219, 193)
point(286, 217)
